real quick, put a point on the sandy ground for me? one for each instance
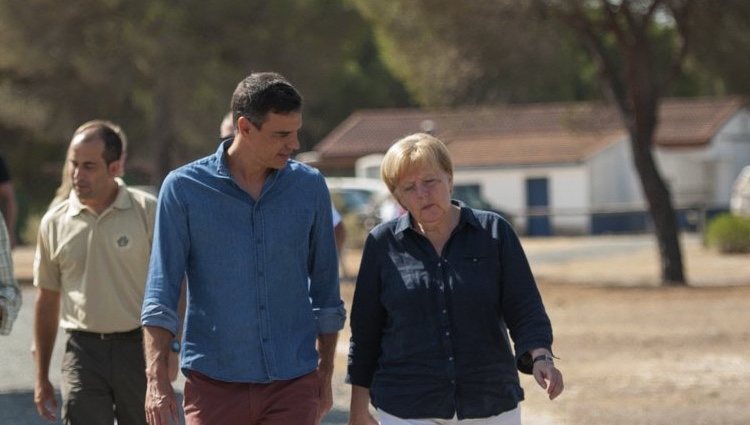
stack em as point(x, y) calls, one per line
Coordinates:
point(631, 352)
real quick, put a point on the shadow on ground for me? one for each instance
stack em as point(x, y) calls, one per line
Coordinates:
point(17, 408)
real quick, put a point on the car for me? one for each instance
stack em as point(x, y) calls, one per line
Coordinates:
point(473, 198)
point(355, 194)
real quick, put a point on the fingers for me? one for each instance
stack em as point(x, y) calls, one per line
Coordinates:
point(48, 409)
point(539, 376)
point(549, 378)
point(556, 385)
point(175, 413)
point(326, 403)
point(161, 405)
point(46, 403)
point(162, 416)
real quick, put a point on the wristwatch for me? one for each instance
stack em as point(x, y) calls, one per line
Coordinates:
point(174, 346)
point(543, 358)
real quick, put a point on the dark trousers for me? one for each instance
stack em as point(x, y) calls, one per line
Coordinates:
point(103, 378)
point(292, 402)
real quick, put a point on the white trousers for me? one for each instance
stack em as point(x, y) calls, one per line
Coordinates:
point(511, 417)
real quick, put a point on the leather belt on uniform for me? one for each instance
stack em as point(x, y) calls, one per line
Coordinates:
point(113, 335)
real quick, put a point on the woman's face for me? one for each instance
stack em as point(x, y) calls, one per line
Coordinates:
point(425, 192)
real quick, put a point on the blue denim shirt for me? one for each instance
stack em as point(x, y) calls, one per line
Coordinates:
point(429, 334)
point(250, 314)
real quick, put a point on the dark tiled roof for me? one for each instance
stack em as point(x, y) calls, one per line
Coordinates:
point(524, 134)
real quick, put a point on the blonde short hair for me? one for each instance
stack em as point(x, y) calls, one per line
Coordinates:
point(416, 150)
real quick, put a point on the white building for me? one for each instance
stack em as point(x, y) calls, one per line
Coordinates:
point(566, 168)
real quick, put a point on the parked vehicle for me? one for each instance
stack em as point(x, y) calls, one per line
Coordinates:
point(472, 197)
point(355, 194)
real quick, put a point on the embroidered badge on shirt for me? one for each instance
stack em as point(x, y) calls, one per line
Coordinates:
point(123, 242)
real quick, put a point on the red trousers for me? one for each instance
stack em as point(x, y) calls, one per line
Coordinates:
point(211, 402)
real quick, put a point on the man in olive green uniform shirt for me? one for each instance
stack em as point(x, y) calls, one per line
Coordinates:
point(90, 271)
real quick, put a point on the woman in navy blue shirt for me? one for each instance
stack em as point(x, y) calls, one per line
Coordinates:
point(438, 291)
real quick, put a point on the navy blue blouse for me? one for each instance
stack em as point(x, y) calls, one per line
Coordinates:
point(430, 331)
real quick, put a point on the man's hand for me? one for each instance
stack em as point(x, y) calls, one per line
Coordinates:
point(325, 376)
point(161, 403)
point(327, 350)
point(44, 398)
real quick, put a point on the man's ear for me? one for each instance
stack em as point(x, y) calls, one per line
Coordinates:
point(121, 171)
point(115, 168)
point(245, 126)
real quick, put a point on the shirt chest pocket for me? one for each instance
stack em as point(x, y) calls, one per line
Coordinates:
point(479, 274)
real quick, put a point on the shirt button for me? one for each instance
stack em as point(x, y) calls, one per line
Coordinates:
point(453, 381)
point(262, 308)
point(447, 333)
point(440, 264)
point(445, 311)
point(450, 358)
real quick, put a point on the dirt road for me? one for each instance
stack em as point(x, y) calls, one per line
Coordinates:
point(631, 352)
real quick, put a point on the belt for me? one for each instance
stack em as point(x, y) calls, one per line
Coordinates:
point(114, 335)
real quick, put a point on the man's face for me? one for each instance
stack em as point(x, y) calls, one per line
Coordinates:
point(92, 178)
point(276, 140)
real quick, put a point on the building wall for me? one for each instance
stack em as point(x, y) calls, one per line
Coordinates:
point(704, 176)
point(614, 183)
point(505, 188)
point(733, 152)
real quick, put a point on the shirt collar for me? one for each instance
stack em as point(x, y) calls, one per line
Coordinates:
point(222, 166)
point(122, 200)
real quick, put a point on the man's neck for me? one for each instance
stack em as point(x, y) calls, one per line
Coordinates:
point(245, 170)
point(98, 206)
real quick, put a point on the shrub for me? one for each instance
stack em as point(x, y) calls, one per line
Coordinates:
point(729, 234)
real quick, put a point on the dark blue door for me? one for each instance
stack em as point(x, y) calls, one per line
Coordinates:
point(537, 203)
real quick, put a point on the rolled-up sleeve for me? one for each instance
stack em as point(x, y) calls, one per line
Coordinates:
point(522, 305)
point(323, 267)
point(168, 258)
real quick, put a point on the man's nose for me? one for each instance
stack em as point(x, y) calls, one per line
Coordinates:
point(294, 143)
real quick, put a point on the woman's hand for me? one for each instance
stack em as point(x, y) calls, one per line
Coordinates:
point(548, 377)
point(359, 413)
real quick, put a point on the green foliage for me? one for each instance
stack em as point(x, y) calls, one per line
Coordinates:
point(458, 53)
point(165, 71)
point(729, 234)
point(722, 40)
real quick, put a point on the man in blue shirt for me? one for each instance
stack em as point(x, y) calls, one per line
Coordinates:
point(249, 227)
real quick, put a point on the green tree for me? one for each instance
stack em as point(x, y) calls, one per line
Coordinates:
point(165, 70)
point(477, 52)
point(636, 51)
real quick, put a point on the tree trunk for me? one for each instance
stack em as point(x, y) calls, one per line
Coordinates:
point(660, 206)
